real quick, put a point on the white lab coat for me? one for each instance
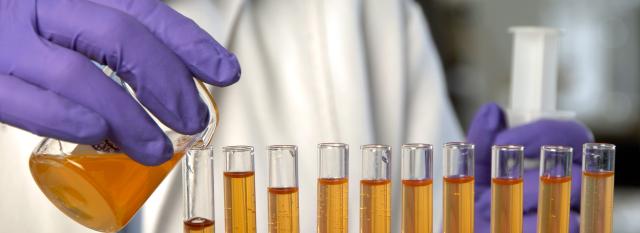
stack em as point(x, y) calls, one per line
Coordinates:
point(312, 71)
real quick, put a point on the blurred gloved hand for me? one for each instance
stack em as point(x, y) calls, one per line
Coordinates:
point(489, 128)
point(49, 86)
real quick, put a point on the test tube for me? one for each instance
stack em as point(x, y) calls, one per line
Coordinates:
point(197, 173)
point(596, 203)
point(283, 189)
point(333, 187)
point(555, 189)
point(239, 190)
point(458, 203)
point(506, 188)
point(375, 189)
point(417, 190)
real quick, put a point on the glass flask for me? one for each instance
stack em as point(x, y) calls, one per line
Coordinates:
point(100, 187)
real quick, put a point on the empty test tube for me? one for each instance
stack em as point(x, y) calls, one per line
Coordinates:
point(506, 188)
point(239, 190)
point(283, 189)
point(417, 190)
point(197, 173)
point(555, 189)
point(333, 188)
point(458, 193)
point(375, 189)
point(596, 202)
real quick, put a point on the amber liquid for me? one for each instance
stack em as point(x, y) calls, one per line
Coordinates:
point(417, 206)
point(553, 204)
point(99, 191)
point(375, 206)
point(333, 198)
point(239, 202)
point(506, 205)
point(199, 225)
point(596, 203)
point(283, 210)
point(458, 204)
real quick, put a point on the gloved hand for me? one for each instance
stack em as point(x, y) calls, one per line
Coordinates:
point(489, 128)
point(49, 86)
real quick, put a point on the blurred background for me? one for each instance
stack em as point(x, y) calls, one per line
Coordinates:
point(599, 78)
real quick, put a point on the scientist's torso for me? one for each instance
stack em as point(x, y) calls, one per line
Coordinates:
point(356, 72)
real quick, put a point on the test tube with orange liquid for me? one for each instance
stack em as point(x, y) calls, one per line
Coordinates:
point(375, 189)
point(239, 190)
point(283, 189)
point(506, 188)
point(333, 188)
point(458, 203)
point(555, 189)
point(197, 174)
point(596, 202)
point(417, 188)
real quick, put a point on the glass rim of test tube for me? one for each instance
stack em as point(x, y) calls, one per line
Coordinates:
point(375, 146)
point(201, 147)
point(237, 148)
point(198, 191)
point(332, 144)
point(281, 147)
point(378, 167)
point(333, 160)
point(555, 161)
point(507, 161)
point(598, 157)
point(458, 160)
point(416, 161)
point(239, 158)
point(286, 174)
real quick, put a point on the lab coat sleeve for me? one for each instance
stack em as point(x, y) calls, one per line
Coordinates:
point(430, 116)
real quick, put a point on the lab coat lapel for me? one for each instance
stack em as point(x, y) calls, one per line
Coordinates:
point(228, 11)
point(217, 17)
point(345, 66)
point(364, 49)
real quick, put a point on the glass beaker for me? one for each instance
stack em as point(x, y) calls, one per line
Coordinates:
point(100, 187)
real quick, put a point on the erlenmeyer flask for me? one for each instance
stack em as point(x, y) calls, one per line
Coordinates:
point(99, 187)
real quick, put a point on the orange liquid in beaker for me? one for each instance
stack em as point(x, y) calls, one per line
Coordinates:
point(99, 191)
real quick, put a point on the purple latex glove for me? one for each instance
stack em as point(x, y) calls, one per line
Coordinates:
point(49, 86)
point(489, 127)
